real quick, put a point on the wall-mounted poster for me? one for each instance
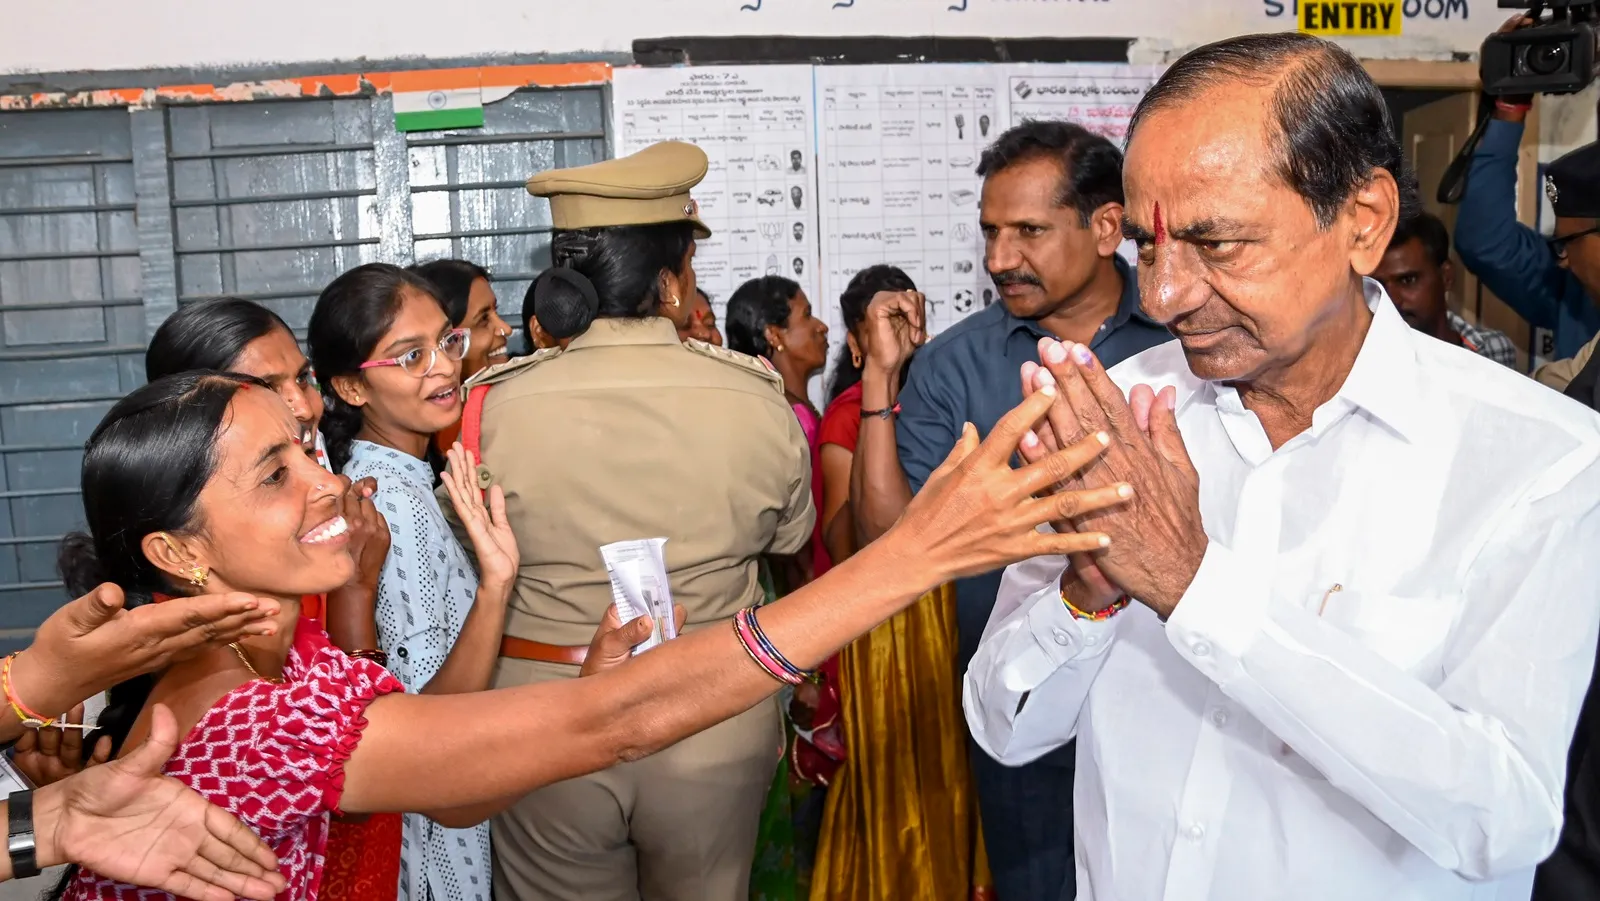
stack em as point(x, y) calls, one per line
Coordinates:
point(899, 148)
point(759, 197)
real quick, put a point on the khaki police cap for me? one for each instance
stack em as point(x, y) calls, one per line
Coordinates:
point(649, 187)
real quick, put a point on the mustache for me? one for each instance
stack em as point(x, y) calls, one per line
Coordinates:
point(1015, 277)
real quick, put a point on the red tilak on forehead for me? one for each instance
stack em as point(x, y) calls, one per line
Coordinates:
point(1161, 228)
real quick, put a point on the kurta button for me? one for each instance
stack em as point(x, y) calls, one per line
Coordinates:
point(1200, 648)
point(1062, 638)
point(485, 477)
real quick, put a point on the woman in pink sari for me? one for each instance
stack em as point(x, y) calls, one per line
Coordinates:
point(771, 318)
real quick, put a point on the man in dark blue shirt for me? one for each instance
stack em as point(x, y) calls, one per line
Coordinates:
point(1051, 216)
point(1513, 260)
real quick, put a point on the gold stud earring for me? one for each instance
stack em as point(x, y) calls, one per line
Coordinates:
point(198, 576)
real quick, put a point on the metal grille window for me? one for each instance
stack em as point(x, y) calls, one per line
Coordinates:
point(109, 220)
point(271, 201)
point(71, 331)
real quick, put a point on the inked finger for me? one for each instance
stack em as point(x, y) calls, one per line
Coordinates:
point(1111, 400)
point(1060, 466)
point(1086, 407)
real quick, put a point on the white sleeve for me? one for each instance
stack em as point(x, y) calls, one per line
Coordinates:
point(1471, 771)
point(1027, 683)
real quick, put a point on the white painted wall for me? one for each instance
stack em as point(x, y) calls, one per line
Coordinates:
point(100, 35)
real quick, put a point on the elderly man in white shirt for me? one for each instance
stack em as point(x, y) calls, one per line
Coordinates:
point(1336, 649)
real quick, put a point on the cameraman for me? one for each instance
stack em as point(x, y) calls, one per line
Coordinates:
point(1516, 262)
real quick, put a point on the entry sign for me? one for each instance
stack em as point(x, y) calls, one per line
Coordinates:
point(1350, 18)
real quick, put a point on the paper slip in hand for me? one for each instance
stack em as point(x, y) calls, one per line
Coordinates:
point(639, 586)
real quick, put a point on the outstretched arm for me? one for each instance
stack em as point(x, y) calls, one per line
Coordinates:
point(975, 513)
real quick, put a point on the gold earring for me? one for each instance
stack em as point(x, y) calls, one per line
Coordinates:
point(675, 301)
point(855, 359)
point(780, 348)
point(198, 576)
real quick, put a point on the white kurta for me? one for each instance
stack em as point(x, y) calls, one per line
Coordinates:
point(1402, 738)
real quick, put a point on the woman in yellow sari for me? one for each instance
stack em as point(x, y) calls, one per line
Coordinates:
point(900, 819)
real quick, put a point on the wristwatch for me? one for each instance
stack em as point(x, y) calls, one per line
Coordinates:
point(20, 842)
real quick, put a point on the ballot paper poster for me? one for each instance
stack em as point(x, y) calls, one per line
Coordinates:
point(759, 197)
point(897, 152)
point(897, 155)
point(1100, 97)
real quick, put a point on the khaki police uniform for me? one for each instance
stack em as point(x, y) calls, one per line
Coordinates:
point(629, 434)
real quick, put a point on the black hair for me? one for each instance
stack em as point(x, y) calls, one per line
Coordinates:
point(351, 316)
point(452, 281)
point(210, 334)
point(528, 297)
point(1091, 166)
point(759, 302)
point(1429, 229)
point(1328, 125)
point(143, 470)
point(853, 310)
point(622, 265)
point(562, 301)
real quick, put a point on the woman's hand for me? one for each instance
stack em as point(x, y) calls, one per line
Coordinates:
point(369, 533)
point(92, 643)
point(350, 611)
point(976, 514)
point(613, 642)
point(487, 526)
point(47, 756)
point(895, 325)
point(127, 822)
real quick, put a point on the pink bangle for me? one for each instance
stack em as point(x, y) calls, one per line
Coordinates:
point(747, 638)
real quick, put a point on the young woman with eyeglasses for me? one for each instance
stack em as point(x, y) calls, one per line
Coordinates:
point(389, 361)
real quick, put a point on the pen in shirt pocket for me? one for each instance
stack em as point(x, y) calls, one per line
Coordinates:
point(1327, 596)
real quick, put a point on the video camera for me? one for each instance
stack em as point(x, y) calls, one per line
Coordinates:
point(1558, 55)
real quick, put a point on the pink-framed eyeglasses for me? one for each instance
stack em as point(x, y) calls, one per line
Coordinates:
point(419, 361)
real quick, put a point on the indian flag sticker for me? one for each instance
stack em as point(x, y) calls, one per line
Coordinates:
point(424, 103)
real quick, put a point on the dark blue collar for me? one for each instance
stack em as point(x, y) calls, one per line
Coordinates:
point(1127, 307)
